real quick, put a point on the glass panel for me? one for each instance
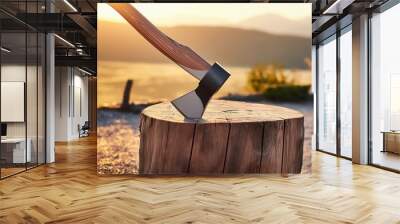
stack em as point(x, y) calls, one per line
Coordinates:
point(385, 84)
point(13, 86)
point(41, 98)
point(31, 98)
point(22, 88)
point(327, 96)
point(32, 90)
point(346, 94)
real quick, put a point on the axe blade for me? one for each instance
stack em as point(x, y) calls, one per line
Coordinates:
point(193, 104)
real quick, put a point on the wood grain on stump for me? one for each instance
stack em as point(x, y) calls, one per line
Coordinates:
point(233, 138)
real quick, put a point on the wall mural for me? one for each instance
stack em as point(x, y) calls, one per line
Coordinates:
point(153, 117)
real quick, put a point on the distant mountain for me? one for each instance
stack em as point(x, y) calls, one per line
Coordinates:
point(272, 23)
point(229, 46)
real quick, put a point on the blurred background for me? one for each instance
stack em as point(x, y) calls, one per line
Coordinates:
point(241, 37)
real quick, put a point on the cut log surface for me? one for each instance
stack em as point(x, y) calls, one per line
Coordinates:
point(232, 138)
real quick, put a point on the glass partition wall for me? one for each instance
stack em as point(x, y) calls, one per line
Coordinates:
point(327, 95)
point(13, 89)
point(345, 93)
point(22, 88)
point(334, 86)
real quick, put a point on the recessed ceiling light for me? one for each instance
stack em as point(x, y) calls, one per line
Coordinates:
point(65, 41)
point(70, 5)
point(338, 6)
point(84, 71)
point(5, 50)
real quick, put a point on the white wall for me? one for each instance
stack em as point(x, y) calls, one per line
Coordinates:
point(62, 81)
point(71, 94)
point(33, 126)
point(13, 100)
point(12, 73)
point(80, 110)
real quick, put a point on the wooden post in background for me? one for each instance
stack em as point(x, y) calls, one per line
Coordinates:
point(127, 94)
point(92, 83)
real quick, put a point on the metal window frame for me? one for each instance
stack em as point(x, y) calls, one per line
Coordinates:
point(317, 75)
point(387, 5)
point(340, 31)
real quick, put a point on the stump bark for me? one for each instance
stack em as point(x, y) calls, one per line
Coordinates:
point(232, 138)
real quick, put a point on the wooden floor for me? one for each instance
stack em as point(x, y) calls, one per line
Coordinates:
point(386, 159)
point(10, 171)
point(69, 191)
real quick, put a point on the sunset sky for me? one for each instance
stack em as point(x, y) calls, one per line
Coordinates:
point(173, 14)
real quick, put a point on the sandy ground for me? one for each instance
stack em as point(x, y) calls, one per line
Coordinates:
point(119, 138)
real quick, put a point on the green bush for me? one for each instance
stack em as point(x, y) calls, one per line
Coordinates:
point(271, 82)
point(287, 93)
point(261, 77)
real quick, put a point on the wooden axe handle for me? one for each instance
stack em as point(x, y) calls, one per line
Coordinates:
point(180, 54)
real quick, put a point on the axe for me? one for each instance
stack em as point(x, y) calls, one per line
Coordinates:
point(211, 77)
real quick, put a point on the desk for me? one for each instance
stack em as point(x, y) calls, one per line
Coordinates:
point(16, 154)
point(391, 141)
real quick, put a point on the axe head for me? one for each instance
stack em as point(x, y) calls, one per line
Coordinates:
point(193, 104)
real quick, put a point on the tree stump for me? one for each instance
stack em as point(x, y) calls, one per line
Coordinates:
point(232, 138)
